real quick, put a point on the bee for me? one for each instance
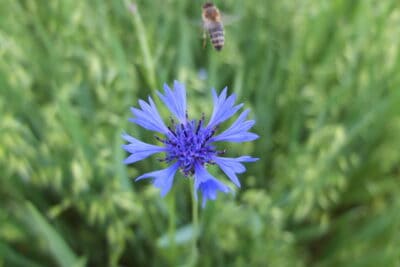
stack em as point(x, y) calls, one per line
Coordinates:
point(212, 23)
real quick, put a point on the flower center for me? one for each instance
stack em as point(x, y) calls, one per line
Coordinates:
point(188, 143)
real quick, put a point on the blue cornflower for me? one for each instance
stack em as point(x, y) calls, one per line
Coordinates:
point(188, 145)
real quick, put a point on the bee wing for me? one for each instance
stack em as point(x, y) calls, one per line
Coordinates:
point(228, 19)
point(204, 25)
point(196, 23)
point(199, 24)
point(211, 25)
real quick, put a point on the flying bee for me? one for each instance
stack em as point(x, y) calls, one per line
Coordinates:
point(212, 23)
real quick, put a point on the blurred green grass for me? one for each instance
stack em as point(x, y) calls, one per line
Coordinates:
point(322, 80)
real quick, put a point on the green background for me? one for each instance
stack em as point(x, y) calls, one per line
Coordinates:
point(321, 78)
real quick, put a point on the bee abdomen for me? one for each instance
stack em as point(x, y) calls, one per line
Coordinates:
point(217, 36)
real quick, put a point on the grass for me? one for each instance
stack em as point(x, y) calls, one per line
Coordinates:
point(322, 81)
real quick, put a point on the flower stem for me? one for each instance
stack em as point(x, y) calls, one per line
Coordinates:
point(172, 229)
point(195, 224)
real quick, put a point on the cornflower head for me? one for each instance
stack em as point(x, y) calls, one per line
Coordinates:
point(188, 144)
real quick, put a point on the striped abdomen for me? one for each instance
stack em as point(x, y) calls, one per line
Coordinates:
point(217, 36)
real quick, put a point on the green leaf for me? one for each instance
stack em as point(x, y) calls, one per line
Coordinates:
point(182, 236)
point(56, 245)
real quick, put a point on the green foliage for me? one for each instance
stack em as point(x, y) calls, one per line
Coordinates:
point(322, 80)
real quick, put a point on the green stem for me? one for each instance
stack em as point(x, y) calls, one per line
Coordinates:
point(195, 224)
point(172, 228)
point(148, 60)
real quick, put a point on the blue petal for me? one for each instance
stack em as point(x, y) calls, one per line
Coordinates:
point(247, 159)
point(232, 166)
point(223, 108)
point(148, 117)
point(163, 178)
point(139, 149)
point(175, 100)
point(207, 184)
point(238, 132)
